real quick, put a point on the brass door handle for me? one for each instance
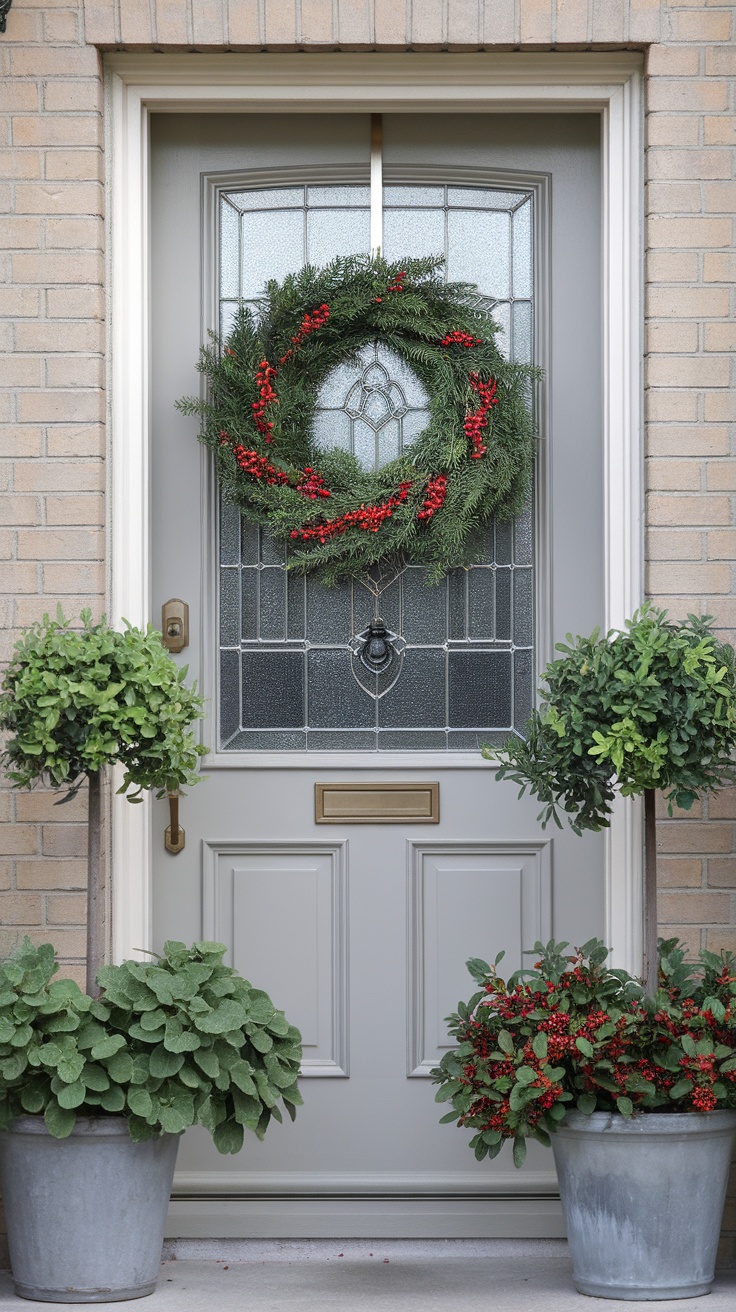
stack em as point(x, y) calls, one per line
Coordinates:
point(174, 835)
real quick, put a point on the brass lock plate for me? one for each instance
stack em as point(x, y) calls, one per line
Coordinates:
point(175, 624)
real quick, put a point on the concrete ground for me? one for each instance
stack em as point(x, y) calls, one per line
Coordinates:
point(494, 1275)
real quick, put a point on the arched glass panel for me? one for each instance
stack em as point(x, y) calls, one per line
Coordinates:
point(288, 680)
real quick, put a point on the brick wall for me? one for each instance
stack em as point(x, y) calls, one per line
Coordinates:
point(52, 308)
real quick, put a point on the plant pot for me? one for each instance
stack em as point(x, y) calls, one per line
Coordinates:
point(85, 1214)
point(643, 1199)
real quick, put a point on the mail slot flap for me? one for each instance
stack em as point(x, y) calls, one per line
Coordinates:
point(377, 803)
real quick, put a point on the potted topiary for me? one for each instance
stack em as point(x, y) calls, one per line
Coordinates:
point(636, 1097)
point(650, 708)
point(97, 1087)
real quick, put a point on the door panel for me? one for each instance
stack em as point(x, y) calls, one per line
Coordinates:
point(361, 931)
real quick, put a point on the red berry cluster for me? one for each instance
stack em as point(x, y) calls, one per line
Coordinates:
point(256, 466)
point(312, 321)
point(477, 420)
point(434, 497)
point(460, 338)
point(312, 484)
point(266, 396)
point(369, 518)
point(396, 285)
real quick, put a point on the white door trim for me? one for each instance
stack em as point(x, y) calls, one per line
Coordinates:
point(136, 86)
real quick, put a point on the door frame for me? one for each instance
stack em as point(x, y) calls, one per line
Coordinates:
point(137, 86)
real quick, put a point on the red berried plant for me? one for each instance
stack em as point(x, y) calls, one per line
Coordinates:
point(574, 1032)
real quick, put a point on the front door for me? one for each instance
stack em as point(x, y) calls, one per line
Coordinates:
point(357, 908)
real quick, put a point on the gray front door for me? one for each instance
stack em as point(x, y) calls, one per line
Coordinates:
point(360, 931)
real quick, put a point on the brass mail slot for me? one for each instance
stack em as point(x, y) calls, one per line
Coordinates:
point(377, 804)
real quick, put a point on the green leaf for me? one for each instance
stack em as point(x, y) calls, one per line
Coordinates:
point(111, 1044)
point(60, 1121)
point(526, 1075)
point(70, 1066)
point(519, 1151)
point(164, 1063)
point(120, 1067)
point(586, 1103)
point(681, 1088)
point(505, 1043)
point(625, 1106)
point(139, 1101)
point(113, 1099)
point(72, 1095)
point(32, 1099)
point(539, 1045)
point(228, 1137)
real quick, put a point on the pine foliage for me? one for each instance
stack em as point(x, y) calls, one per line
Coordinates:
point(409, 308)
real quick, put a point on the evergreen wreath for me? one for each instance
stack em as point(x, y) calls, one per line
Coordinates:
point(472, 462)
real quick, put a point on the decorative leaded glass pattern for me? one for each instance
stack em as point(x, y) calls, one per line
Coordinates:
point(287, 679)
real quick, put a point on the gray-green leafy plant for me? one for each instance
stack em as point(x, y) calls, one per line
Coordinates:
point(75, 700)
point(650, 708)
point(181, 1040)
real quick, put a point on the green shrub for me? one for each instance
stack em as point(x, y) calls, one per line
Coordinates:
point(181, 1040)
point(75, 700)
point(653, 707)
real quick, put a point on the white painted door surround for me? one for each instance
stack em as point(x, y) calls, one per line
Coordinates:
point(137, 87)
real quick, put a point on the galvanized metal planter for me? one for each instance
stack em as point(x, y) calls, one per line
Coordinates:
point(86, 1214)
point(643, 1200)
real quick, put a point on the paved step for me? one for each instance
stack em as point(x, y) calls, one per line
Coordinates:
point(495, 1275)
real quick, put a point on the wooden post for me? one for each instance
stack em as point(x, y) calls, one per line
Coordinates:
point(651, 964)
point(95, 885)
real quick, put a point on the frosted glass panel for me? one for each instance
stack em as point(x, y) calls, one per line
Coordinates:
point(336, 232)
point(373, 408)
point(483, 198)
point(478, 251)
point(287, 678)
point(229, 251)
point(273, 245)
point(413, 232)
point(267, 198)
point(414, 196)
point(522, 222)
point(339, 196)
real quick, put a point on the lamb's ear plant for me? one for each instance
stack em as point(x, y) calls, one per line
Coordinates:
point(652, 708)
point(77, 699)
point(177, 1041)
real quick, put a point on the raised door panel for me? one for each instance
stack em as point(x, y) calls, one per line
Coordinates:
point(281, 910)
point(467, 900)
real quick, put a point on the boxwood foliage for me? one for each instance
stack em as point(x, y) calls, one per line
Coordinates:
point(181, 1040)
point(652, 707)
point(77, 699)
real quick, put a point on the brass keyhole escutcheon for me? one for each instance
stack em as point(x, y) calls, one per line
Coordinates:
point(175, 624)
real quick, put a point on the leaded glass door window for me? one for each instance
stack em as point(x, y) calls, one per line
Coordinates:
point(290, 676)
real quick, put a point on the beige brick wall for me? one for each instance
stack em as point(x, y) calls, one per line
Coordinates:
point(52, 306)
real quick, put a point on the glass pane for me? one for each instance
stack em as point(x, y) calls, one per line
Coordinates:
point(479, 688)
point(273, 689)
point(523, 332)
point(337, 232)
point(413, 232)
point(229, 607)
point(383, 407)
point(291, 677)
point(229, 251)
point(478, 251)
point(354, 195)
point(414, 196)
point(483, 198)
point(334, 697)
point(272, 246)
point(523, 250)
point(267, 198)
